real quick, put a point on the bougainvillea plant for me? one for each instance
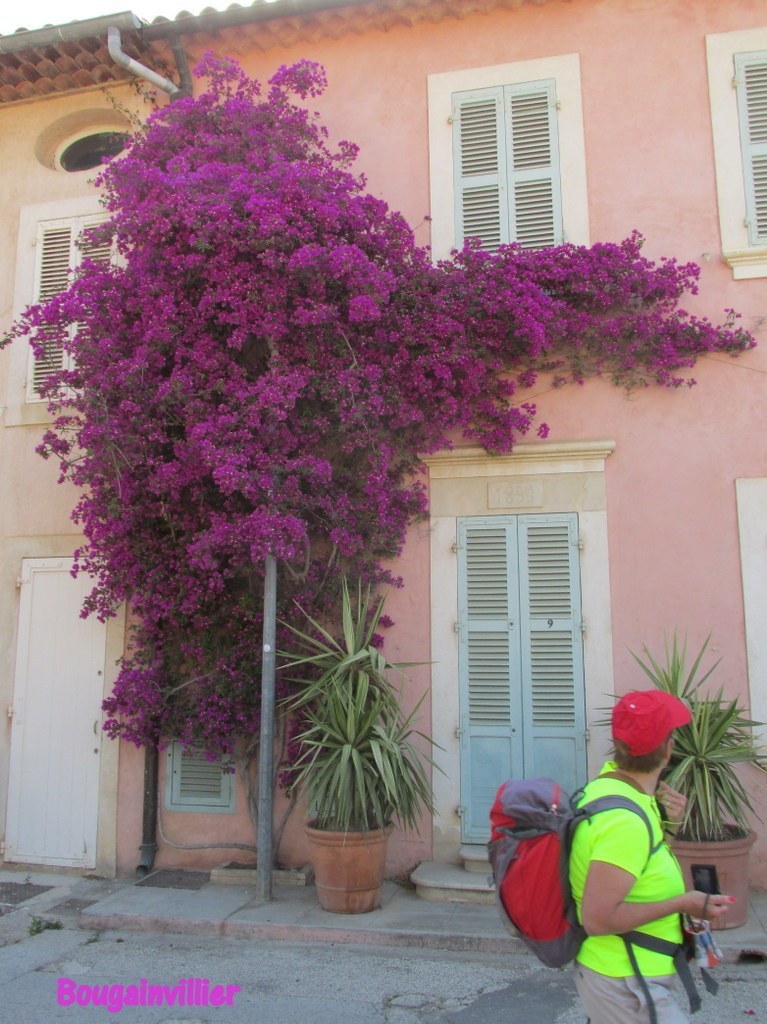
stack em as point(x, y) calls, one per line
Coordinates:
point(263, 365)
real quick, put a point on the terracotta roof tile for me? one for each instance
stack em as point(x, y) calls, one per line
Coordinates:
point(32, 73)
point(66, 66)
point(267, 25)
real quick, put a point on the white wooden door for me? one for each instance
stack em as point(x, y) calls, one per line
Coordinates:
point(56, 725)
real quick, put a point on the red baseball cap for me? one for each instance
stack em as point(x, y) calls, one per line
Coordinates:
point(644, 718)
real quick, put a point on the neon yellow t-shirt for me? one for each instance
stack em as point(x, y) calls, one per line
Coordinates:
point(620, 837)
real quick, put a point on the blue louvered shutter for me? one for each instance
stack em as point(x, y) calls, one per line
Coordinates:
point(491, 711)
point(522, 707)
point(506, 166)
point(751, 83)
point(552, 648)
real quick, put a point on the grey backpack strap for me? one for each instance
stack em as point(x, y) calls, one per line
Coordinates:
point(673, 949)
point(640, 978)
point(614, 802)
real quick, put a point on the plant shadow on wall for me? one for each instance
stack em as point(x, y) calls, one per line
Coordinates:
point(358, 767)
point(704, 768)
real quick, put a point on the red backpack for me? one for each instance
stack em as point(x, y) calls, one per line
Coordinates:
point(533, 822)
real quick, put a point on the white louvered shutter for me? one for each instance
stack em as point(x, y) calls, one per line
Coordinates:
point(60, 248)
point(506, 166)
point(479, 155)
point(55, 256)
point(536, 207)
point(195, 784)
point(100, 252)
point(751, 81)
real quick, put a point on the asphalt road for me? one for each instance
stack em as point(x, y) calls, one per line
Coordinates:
point(52, 977)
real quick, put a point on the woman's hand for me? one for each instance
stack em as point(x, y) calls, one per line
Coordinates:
point(704, 906)
point(673, 803)
point(605, 910)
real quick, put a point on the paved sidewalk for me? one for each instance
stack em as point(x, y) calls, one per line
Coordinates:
point(293, 914)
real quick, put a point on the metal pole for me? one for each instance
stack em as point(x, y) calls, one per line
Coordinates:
point(265, 763)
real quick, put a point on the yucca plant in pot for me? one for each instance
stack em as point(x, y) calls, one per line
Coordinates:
point(703, 766)
point(359, 767)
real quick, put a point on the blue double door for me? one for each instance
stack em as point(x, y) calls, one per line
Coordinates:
point(522, 700)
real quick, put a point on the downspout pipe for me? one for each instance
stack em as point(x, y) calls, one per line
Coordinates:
point(187, 86)
point(151, 754)
point(149, 826)
point(118, 55)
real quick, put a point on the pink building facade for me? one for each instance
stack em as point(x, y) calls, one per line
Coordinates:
point(647, 511)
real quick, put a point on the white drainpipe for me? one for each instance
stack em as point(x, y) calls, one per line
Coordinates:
point(118, 55)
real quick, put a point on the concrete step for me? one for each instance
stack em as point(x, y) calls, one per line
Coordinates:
point(450, 883)
point(475, 859)
point(243, 874)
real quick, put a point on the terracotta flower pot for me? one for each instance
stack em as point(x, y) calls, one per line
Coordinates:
point(348, 868)
point(731, 860)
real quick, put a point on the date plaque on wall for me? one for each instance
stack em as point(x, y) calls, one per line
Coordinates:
point(525, 494)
